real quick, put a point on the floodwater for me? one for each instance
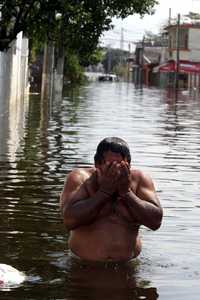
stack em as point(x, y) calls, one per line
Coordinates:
point(41, 143)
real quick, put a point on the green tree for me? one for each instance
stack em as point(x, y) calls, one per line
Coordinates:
point(72, 69)
point(79, 23)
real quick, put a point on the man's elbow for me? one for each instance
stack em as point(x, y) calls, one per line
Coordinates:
point(157, 221)
point(69, 223)
point(155, 226)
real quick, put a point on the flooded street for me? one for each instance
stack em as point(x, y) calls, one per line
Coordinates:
point(45, 143)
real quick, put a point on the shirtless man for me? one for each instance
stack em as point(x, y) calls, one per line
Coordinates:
point(104, 206)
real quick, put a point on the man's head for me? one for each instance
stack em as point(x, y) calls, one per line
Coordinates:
point(115, 145)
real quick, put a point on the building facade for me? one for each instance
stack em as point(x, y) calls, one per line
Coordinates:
point(183, 55)
point(188, 46)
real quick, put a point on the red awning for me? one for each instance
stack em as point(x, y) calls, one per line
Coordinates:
point(189, 67)
point(167, 67)
point(184, 67)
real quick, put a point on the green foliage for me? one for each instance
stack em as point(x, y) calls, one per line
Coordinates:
point(92, 58)
point(73, 72)
point(79, 23)
point(36, 49)
point(75, 25)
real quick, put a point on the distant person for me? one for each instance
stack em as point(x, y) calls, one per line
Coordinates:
point(104, 206)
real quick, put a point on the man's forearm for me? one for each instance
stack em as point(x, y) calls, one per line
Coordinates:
point(84, 211)
point(146, 213)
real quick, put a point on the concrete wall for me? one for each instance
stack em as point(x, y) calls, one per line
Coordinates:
point(13, 94)
point(184, 55)
point(194, 38)
point(193, 52)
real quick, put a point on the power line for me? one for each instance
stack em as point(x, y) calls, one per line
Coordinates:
point(119, 33)
point(125, 30)
point(119, 40)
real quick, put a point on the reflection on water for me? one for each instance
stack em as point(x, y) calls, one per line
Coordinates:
point(13, 90)
point(105, 280)
point(163, 133)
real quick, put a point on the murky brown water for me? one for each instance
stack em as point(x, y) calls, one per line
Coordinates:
point(39, 146)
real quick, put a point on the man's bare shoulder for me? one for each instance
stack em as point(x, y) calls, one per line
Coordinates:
point(74, 182)
point(80, 174)
point(141, 177)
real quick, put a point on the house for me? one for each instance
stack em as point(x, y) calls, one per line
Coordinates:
point(189, 36)
point(148, 55)
point(183, 47)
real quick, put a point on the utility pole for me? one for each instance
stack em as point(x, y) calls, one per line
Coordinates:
point(109, 59)
point(170, 16)
point(128, 65)
point(177, 52)
point(122, 39)
point(122, 46)
point(142, 61)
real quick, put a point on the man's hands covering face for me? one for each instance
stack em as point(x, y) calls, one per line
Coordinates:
point(108, 175)
point(114, 177)
point(124, 181)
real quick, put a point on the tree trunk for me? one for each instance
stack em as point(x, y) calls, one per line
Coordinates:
point(59, 69)
point(48, 72)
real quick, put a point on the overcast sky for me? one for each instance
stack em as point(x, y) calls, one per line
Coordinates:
point(134, 27)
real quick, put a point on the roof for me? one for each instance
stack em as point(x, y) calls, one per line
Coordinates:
point(183, 25)
point(152, 54)
point(185, 66)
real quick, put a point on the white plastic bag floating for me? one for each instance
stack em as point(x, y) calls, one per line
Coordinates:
point(10, 276)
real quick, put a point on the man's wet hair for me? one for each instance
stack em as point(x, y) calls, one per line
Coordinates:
point(114, 144)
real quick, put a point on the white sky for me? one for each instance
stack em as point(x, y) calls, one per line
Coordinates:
point(134, 27)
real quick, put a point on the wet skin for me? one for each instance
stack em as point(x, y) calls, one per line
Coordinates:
point(103, 207)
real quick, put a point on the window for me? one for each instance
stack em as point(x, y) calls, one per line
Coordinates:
point(183, 38)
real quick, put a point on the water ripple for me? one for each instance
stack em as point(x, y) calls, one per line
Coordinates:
point(163, 134)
